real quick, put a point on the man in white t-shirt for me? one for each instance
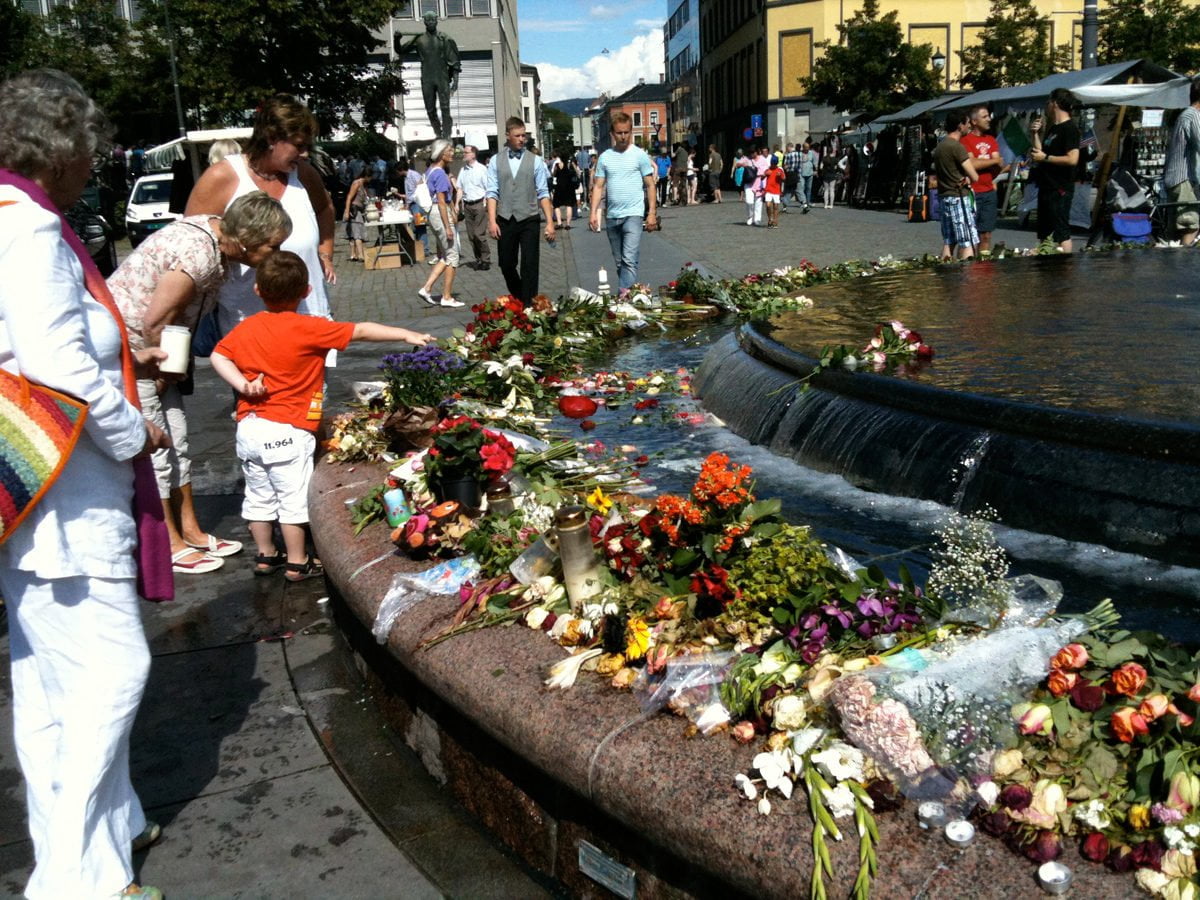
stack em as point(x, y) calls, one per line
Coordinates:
point(624, 181)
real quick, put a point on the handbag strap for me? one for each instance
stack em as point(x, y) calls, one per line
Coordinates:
point(92, 279)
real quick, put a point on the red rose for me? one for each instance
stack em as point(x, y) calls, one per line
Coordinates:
point(587, 424)
point(1016, 797)
point(527, 359)
point(1121, 858)
point(997, 824)
point(1094, 847)
point(1088, 697)
point(1148, 855)
point(913, 337)
point(1044, 848)
point(924, 352)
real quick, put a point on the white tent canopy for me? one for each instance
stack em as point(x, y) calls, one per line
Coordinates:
point(1171, 94)
point(163, 155)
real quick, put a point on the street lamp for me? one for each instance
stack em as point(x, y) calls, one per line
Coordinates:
point(939, 60)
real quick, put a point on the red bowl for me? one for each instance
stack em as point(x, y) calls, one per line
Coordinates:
point(576, 407)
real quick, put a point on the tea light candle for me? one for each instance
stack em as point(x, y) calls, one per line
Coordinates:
point(931, 814)
point(960, 833)
point(884, 641)
point(1054, 877)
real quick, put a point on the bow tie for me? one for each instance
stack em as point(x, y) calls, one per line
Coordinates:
point(515, 154)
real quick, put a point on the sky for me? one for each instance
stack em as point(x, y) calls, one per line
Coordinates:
point(566, 40)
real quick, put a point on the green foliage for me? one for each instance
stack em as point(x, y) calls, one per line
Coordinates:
point(1014, 48)
point(369, 509)
point(559, 123)
point(19, 32)
point(788, 568)
point(872, 69)
point(1164, 31)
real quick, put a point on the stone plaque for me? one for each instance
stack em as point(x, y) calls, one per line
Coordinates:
point(600, 867)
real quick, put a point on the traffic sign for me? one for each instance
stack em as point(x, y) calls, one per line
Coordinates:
point(748, 133)
point(756, 122)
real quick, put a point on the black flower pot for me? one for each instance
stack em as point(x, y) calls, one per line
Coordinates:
point(464, 489)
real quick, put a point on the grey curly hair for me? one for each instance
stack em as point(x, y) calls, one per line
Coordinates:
point(255, 219)
point(47, 122)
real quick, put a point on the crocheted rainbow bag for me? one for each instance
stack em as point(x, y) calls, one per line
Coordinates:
point(38, 431)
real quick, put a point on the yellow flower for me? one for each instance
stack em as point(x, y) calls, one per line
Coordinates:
point(599, 501)
point(637, 638)
point(1139, 817)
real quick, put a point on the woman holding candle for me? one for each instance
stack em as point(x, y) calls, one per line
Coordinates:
point(172, 279)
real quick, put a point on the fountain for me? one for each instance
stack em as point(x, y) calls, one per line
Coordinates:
point(1064, 388)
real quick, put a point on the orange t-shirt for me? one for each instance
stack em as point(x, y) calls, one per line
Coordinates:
point(774, 179)
point(289, 349)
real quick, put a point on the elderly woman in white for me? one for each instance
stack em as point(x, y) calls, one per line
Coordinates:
point(79, 653)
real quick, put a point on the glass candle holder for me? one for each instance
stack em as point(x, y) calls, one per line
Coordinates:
point(960, 833)
point(1054, 877)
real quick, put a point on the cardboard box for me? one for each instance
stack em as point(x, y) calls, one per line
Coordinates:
point(390, 254)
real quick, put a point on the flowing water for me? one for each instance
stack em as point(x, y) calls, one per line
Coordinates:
point(876, 527)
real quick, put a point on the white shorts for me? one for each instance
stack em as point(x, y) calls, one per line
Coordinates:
point(444, 246)
point(277, 463)
point(771, 199)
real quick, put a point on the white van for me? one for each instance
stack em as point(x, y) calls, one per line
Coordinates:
point(148, 209)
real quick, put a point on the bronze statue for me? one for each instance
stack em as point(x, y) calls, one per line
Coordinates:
point(439, 71)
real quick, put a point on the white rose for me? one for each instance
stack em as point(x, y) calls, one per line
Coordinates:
point(1151, 882)
point(790, 713)
point(536, 617)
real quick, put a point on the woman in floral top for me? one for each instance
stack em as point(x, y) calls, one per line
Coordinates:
point(173, 278)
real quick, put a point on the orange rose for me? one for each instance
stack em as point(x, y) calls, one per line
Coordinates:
point(1194, 693)
point(1128, 679)
point(1072, 656)
point(1155, 706)
point(1060, 682)
point(1127, 723)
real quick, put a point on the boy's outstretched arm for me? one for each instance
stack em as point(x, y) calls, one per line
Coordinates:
point(227, 369)
point(373, 331)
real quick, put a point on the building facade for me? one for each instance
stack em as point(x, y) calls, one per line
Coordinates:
point(489, 86)
point(531, 105)
point(681, 45)
point(647, 106)
point(754, 54)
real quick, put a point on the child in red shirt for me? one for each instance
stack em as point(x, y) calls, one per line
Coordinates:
point(275, 360)
point(773, 192)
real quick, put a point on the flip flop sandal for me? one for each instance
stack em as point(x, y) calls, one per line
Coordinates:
point(218, 546)
point(180, 565)
point(310, 568)
point(268, 565)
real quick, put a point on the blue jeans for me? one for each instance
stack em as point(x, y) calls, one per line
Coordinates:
point(625, 236)
point(806, 189)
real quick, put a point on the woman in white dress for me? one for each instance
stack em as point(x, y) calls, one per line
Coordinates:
point(275, 161)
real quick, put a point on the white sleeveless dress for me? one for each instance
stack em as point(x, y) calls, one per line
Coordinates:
point(237, 299)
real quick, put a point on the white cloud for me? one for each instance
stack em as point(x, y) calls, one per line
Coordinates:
point(555, 27)
point(604, 11)
point(611, 73)
point(649, 23)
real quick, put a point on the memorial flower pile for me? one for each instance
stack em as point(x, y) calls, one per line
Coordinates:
point(858, 689)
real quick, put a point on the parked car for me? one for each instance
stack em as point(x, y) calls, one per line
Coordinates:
point(148, 209)
point(97, 235)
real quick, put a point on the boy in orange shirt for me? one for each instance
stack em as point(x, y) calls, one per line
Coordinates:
point(275, 360)
point(773, 191)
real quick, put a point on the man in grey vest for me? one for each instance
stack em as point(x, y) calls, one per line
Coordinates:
point(517, 185)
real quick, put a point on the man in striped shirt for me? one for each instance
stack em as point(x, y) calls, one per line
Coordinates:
point(624, 181)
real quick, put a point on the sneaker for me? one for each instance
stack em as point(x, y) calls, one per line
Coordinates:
point(427, 297)
point(750, 221)
point(450, 302)
point(433, 260)
point(194, 562)
point(151, 833)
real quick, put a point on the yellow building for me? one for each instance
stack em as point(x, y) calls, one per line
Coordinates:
point(754, 53)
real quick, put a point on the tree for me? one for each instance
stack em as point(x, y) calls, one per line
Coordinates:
point(872, 68)
point(559, 124)
point(231, 55)
point(20, 33)
point(1164, 31)
point(1014, 48)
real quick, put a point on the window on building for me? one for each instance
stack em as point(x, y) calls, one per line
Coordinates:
point(654, 117)
point(637, 118)
point(795, 61)
point(481, 7)
point(526, 116)
point(524, 88)
point(427, 6)
point(456, 8)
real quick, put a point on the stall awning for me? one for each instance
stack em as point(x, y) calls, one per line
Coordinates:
point(1032, 96)
point(163, 155)
point(1171, 94)
point(918, 109)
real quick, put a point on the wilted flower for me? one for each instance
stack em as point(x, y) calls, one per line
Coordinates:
point(1193, 693)
point(1016, 797)
point(1094, 847)
point(1139, 817)
point(1179, 864)
point(1148, 854)
point(1155, 706)
point(743, 732)
point(1185, 792)
point(841, 761)
point(1033, 718)
point(624, 679)
point(1128, 679)
point(1151, 881)
point(1070, 657)
point(997, 824)
point(988, 793)
point(1044, 847)
point(1088, 697)
point(790, 713)
point(1121, 858)
point(746, 786)
point(1007, 762)
point(1127, 723)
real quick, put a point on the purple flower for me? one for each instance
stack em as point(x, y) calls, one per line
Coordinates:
point(870, 606)
point(1166, 815)
point(838, 613)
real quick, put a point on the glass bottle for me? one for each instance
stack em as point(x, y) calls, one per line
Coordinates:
point(500, 499)
point(581, 569)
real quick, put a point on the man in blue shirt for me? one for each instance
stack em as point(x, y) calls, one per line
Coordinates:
point(662, 163)
point(625, 182)
point(517, 186)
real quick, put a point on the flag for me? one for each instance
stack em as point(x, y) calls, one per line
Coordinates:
point(1015, 137)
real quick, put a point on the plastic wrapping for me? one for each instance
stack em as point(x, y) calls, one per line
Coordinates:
point(407, 589)
point(690, 686)
point(933, 718)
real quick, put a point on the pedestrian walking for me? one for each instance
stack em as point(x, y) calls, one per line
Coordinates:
point(472, 195)
point(518, 185)
point(625, 184)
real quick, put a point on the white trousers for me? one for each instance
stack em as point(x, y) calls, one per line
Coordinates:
point(79, 665)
